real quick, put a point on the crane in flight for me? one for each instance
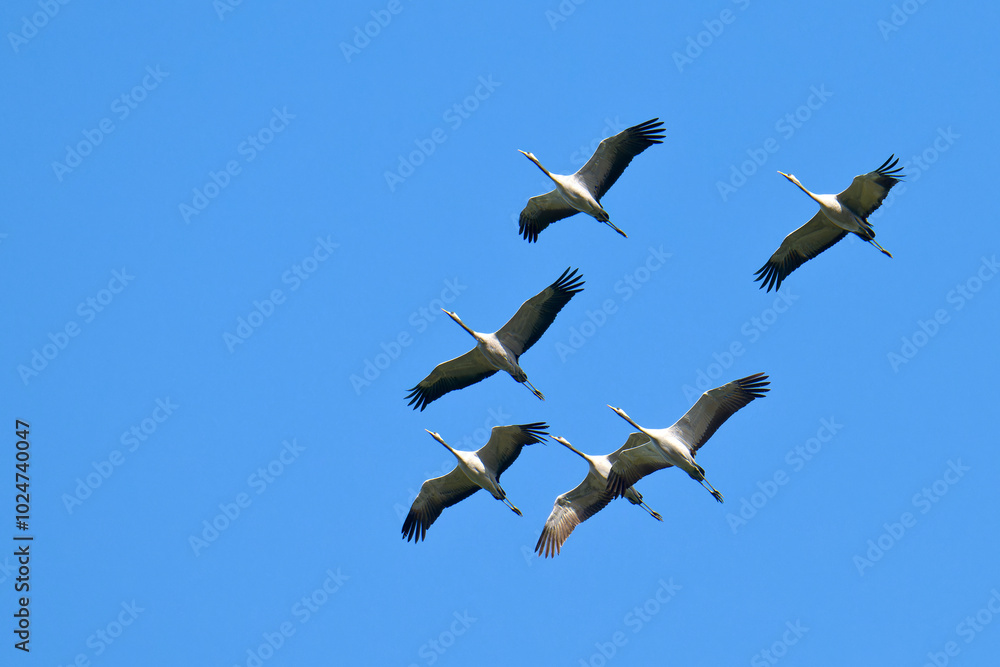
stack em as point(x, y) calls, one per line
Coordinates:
point(837, 215)
point(590, 497)
point(582, 191)
point(476, 470)
point(650, 450)
point(501, 350)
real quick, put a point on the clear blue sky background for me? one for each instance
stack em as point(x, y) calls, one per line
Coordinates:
point(243, 178)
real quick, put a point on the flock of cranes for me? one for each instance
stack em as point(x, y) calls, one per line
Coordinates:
point(646, 450)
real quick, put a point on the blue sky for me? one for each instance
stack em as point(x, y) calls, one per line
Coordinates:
point(228, 233)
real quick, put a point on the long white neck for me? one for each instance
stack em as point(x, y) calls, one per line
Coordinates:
point(462, 324)
point(539, 165)
point(446, 445)
point(572, 448)
point(624, 416)
point(814, 197)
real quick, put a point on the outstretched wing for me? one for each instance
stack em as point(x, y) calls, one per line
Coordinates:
point(570, 510)
point(537, 313)
point(435, 495)
point(867, 191)
point(450, 375)
point(542, 211)
point(716, 406)
point(505, 443)
point(639, 457)
point(615, 153)
point(799, 247)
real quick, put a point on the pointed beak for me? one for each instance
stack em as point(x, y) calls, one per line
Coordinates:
point(620, 413)
point(437, 437)
point(612, 225)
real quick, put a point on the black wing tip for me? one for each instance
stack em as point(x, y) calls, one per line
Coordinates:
point(414, 529)
point(570, 282)
point(535, 426)
point(536, 430)
point(526, 229)
point(769, 276)
point(418, 398)
point(648, 125)
point(891, 170)
point(648, 131)
point(756, 385)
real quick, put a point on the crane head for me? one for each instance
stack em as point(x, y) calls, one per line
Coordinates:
point(441, 440)
point(437, 437)
point(532, 157)
point(538, 164)
point(791, 178)
point(458, 321)
point(621, 413)
point(565, 442)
